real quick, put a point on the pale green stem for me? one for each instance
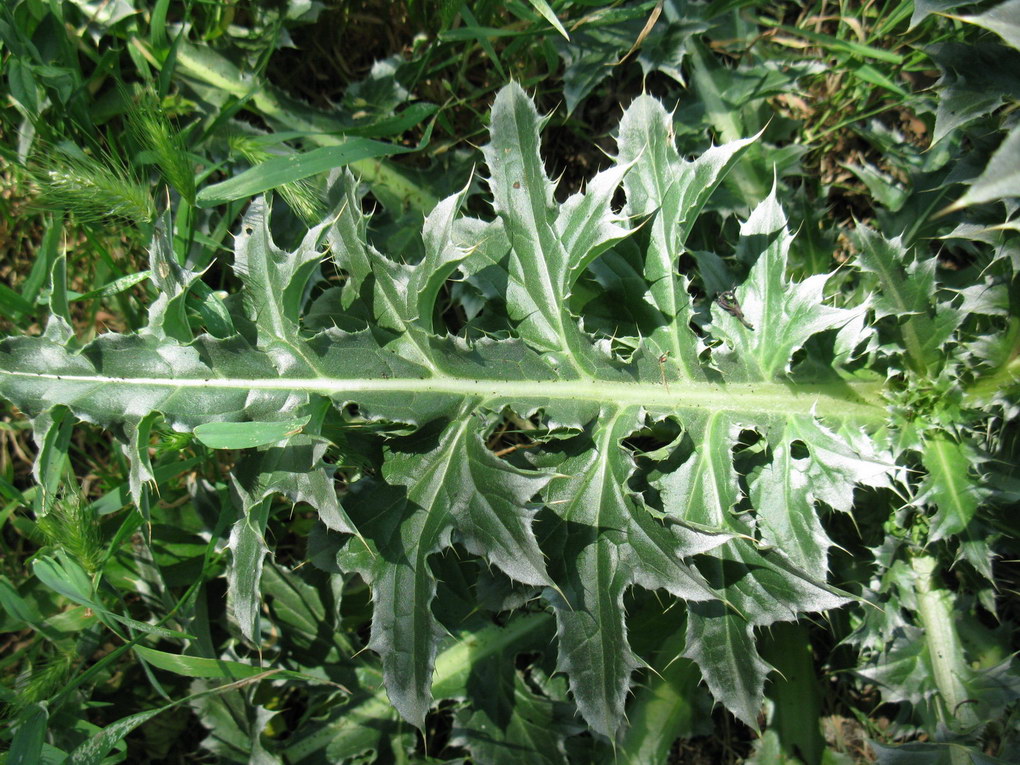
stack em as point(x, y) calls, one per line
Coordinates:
point(935, 609)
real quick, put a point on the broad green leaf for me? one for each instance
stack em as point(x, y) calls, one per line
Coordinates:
point(924, 8)
point(786, 512)
point(58, 326)
point(907, 288)
point(523, 197)
point(295, 469)
point(52, 435)
point(17, 610)
point(783, 315)
point(563, 509)
point(786, 490)
point(976, 79)
point(29, 735)
point(608, 542)
point(719, 635)
point(275, 281)
point(795, 692)
point(221, 79)
point(674, 190)
point(932, 754)
point(63, 575)
point(354, 728)
point(935, 608)
point(455, 484)
point(506, 720)
point(115, 287)
point(714, 85)
point(246, 435)
point(167, 317)
point(1001, 178)
point(1003, 19)
point(12, 304)
point(248, 550)
point(94, 751)
point(670, 703)
point(236, 724)
point(903, 671)
point(949, 485)
point(590, 55)
point(530, 735)
point(23, 87)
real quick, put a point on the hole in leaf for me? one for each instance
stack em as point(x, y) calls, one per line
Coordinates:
point(619, 200)
point(438, 726)
point(511, 435)
point(449, 309)
point(799, 450)
point(654, 436)
point(748, 440)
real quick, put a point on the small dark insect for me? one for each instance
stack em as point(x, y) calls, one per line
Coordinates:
point(728, 302)
point(517, 184)
point(662, 370)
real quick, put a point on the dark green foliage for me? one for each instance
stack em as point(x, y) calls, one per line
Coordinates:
point(533, 453)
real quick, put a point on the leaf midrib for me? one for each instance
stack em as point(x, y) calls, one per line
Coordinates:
point(839, 399)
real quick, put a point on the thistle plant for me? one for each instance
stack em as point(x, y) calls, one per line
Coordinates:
point(699, 449)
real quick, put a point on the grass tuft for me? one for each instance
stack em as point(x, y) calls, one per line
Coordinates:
point(72, 525)
point(91, 189)
point(151, 128)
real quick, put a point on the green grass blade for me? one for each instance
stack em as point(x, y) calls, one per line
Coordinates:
point(115, 287)
point(549, 15)
point(279, 171)
point(12, 304)
point(847, 47)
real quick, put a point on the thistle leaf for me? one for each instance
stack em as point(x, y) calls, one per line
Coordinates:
point(570, 513)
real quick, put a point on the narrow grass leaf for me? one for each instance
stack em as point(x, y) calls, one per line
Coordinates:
point(279, 171)
point(836, 45)
point(115, 287)
point(197, 666)
point(549, 15)
point(472, 30)
point(12, 304)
